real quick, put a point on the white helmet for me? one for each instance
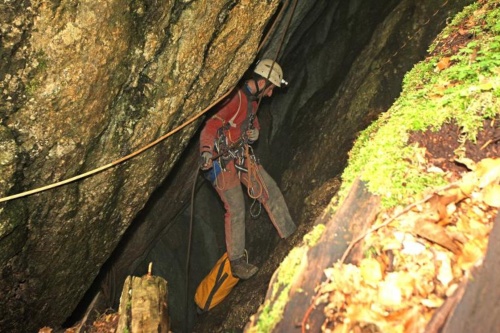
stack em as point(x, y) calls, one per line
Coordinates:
point(270, 70)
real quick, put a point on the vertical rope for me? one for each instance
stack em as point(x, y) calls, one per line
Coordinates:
point(188, 252)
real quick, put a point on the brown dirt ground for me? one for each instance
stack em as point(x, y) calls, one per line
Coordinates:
point(441, 145)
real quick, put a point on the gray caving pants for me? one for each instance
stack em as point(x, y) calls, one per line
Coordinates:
point(228, 186)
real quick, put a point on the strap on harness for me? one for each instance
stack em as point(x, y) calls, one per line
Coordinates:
point(256, 185)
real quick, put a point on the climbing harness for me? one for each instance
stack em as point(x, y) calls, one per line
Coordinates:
point(240, 151)
point(254, 177)
point(256, 185)
point(245, 161)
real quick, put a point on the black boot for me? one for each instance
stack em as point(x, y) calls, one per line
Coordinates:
point(242, 269)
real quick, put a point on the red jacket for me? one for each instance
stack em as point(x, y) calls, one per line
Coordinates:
point(232, 112)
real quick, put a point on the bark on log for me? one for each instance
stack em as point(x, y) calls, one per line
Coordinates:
point(143, 305)
point(479, 308)
point(359, 208)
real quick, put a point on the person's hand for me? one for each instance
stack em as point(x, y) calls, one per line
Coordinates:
point(206, 160)
point(253, 134)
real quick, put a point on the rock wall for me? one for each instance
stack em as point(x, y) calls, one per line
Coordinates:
point(84, 83)
point(344, 71)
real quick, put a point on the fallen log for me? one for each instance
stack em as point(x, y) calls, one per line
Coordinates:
point(479, 307)
point(352, 218)
point(143, 305)
point(474, 307)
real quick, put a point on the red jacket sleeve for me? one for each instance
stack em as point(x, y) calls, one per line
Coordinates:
point(212, 125)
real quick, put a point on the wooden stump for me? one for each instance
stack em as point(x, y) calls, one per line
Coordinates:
point(143, 305)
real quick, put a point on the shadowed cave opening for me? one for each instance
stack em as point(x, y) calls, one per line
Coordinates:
point(169, 248)
point(333, 53)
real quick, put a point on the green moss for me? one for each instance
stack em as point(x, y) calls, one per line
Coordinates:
point(41, 65)
point(32, 87)
point(42, 59)
point(465, 93)
point(314, 235)
point(454, 24)
point(273, 308)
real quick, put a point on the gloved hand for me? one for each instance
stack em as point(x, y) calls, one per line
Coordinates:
point(206, 160)
point(253, 134)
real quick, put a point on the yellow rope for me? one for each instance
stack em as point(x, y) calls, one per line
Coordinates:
point(135, 153)
point(254, 177)
point(116, 162)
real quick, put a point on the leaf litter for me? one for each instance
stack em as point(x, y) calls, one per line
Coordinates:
point(413, 262)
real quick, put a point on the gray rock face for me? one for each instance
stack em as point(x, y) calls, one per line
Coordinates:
point(84, 83)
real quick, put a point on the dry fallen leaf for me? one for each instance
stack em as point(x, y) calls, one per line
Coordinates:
point(472, 227)
point(452, 195)
point(491, 195)
point(435, 233)
point(371, 271)
point(445, 273)
point(341, 328)
point(45, 330)
point(361, 313)
point(470, 164)
point(443, 63)
point(473, 251)
point(488, 171)
point(468, 183)
point(401, 292)
point(412, 248)
point(389, 294)
point(432, 302)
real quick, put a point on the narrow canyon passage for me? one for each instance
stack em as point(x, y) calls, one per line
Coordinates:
point(333, 62)
point(99, 81)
